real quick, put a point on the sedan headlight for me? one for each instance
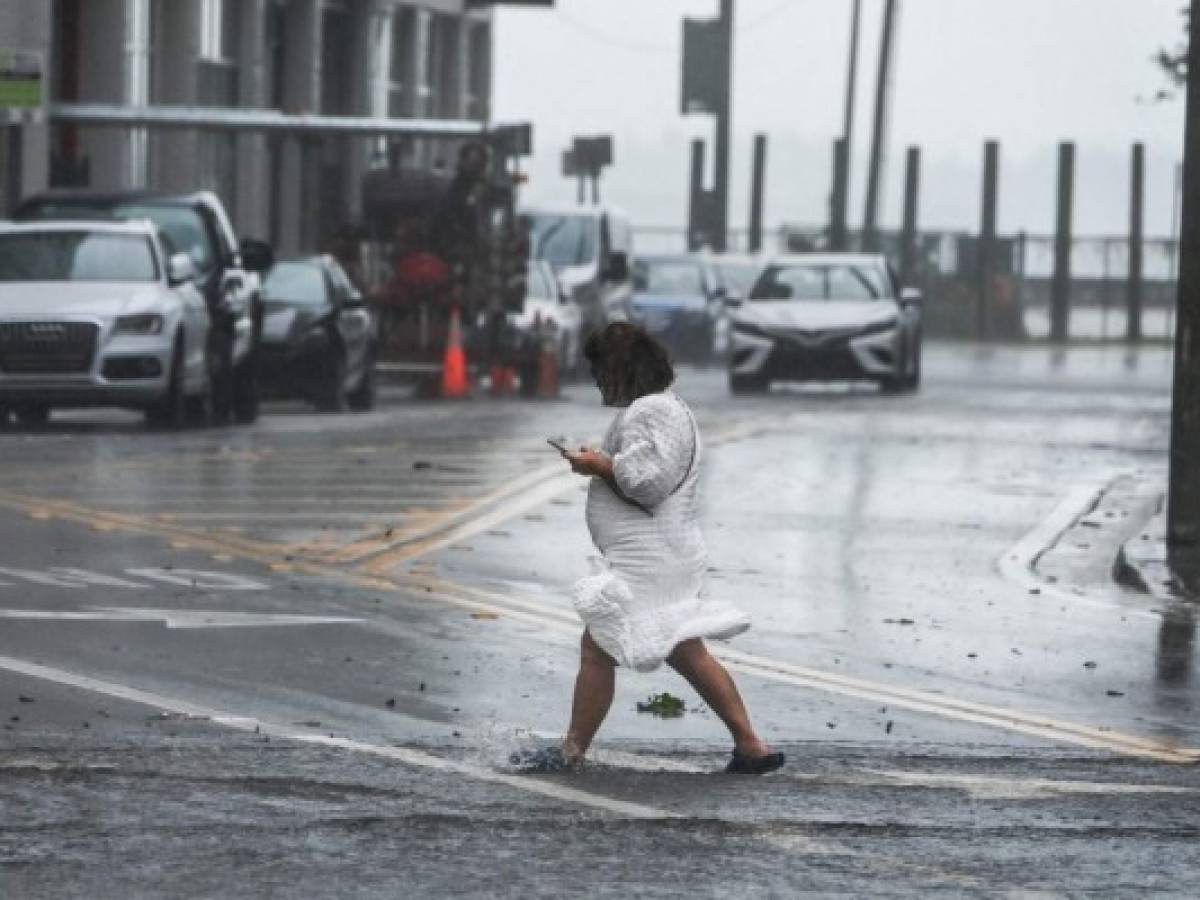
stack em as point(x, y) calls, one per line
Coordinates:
point(146, 323)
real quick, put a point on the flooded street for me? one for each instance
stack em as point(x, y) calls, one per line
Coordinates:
point(302, 653)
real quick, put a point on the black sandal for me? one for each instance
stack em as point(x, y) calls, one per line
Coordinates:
point(741, 764)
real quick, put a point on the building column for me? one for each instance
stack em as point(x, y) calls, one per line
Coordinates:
point(372, 26)
point(102, 63)
point(299, 162)
point(252, 206)
point(176, 74)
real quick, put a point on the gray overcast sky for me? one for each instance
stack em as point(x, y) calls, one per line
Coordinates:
point(1026, 72)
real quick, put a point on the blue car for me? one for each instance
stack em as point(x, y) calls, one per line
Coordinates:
point(680, 300)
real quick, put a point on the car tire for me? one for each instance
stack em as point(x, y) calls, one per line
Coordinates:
point(198, 409)
point(331, 394)
point(245, 391)
point(170, 412)
point(914, 377)
point(362, 398)
point(742, 385)
point(32, 415)
point(245, 380)
point(220, 375)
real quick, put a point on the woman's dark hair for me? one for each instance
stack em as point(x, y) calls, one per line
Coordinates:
point(627, 363)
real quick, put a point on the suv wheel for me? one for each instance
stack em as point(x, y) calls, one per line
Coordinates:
point(220, 373)
point(331, 394)
point(245, 390)
point(171, 411)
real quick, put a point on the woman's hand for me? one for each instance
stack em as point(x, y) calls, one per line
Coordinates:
point(589, 462)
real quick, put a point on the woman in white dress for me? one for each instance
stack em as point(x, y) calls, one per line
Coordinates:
point(643, 603)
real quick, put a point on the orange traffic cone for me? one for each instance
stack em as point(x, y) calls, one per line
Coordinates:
point(454, 367)
point(547, 378)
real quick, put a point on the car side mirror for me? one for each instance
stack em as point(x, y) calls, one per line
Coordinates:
point(618, 267)
point(733, 301)
point(180, 269)
point(910, 296)
point(354, 301)
point(257, 256)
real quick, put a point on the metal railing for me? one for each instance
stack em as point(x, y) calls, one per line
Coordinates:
point(946, 267)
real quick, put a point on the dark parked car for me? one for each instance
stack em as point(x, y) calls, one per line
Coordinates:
point(226, 273)
point(681, 301)
point(318, 338)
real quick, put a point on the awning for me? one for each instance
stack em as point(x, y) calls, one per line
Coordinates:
point(263, 121)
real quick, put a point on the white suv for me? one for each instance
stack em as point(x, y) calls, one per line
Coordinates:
point(97, 314)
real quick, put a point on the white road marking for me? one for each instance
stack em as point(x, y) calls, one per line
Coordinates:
point(174, 618)
point(404, 755)
point(96, 578)
point(205, 581)
point(76, 579)
point(990, 787)
point(1018, 564)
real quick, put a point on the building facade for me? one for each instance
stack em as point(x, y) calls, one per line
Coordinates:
point(397, 59)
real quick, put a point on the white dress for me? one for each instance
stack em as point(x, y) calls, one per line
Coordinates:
point(644, 595)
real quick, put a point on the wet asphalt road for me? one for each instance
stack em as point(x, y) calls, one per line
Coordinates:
point(293, 659)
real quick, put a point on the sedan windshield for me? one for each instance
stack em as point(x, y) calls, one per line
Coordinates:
point(564, 240)
point(299, 283)
point(76, 256)
point(840, 281)
point(667, 277)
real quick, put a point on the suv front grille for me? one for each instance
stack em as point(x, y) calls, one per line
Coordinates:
point(44, 348)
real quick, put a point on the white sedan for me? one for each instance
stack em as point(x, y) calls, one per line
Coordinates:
point(97, 314)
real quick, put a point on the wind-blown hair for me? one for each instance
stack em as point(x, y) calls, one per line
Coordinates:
point(627, 363)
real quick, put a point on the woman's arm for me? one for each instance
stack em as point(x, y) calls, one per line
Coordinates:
point(597, 465)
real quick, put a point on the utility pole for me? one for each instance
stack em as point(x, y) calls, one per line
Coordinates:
point(879, 131)
point(840, 198)
point(838, 226)
point(908, 239)
point(1060, 293)
point(697, 199)
point(707, 87)
point(987, 239)
point(757, 185)
point(724, 114)
point(1137, 188)
point(1183, 495)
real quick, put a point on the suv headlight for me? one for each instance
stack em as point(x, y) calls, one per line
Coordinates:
point(147, 323)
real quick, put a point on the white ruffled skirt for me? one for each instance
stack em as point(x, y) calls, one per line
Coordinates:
point(639, 621)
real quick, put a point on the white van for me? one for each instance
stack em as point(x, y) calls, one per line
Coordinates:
point(589, 248)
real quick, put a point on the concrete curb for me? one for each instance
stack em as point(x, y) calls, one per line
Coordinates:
point(1142, 563)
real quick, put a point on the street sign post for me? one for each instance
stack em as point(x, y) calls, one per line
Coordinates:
point(22, 94)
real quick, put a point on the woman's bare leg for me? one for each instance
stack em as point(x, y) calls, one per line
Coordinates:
point(703, 672)
point(594, 687)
